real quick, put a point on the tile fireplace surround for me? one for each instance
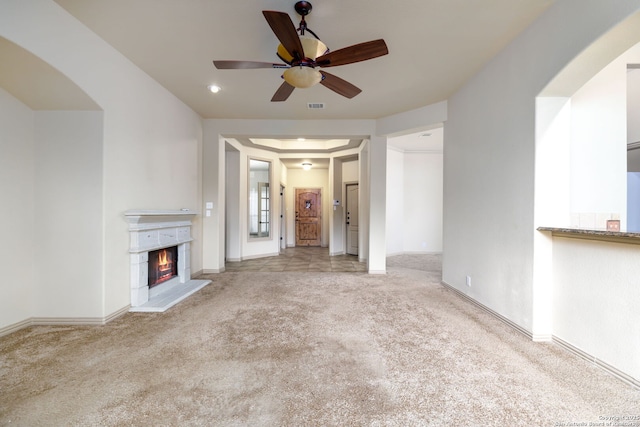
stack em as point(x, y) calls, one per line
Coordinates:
point(151, 230)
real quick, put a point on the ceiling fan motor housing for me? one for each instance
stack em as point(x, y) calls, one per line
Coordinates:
point(303, 8)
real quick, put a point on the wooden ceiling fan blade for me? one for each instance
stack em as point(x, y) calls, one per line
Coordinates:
point(339, 85)
point(283, 92)
point(239, 65)
point(285, 31)
point(356, 53)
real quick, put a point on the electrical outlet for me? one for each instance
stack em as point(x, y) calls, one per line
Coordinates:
point(469, 281)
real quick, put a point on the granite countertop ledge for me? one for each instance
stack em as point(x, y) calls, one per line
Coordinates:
point(609, 236)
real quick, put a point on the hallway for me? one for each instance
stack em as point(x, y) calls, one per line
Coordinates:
point(314, 259)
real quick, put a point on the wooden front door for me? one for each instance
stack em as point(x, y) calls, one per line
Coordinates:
point(308, 216)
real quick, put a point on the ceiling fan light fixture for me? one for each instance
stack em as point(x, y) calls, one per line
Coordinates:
point(302, 76)
point(304, 54)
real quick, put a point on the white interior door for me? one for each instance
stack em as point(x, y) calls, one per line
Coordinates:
point(352, 219)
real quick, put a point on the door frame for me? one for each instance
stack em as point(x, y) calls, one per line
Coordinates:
point(295, 218)
point(344, 215)
point(283, 219)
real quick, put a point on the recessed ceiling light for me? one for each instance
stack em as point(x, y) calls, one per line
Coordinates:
point(214, 88)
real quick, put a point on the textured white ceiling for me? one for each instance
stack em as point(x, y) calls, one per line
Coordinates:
point(434, 45)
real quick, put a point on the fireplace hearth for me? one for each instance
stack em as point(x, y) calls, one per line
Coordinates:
point(160, 259)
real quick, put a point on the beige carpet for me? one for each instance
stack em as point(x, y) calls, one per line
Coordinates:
point(304, 349)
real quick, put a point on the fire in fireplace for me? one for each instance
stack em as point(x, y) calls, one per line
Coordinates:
point(163, 265)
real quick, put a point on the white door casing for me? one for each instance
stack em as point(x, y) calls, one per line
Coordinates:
point(352, 219)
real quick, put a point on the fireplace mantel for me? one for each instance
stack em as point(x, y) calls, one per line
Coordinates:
point(156, 229)
point(151, 230)
point(160, 213)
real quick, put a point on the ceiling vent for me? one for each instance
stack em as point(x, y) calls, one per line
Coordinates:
point(315, 106)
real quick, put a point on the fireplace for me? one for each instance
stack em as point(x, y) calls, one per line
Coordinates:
point(160, 259)
point(163, 265)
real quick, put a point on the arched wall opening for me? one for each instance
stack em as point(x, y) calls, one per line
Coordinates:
point(581, 146)
point(51, 139)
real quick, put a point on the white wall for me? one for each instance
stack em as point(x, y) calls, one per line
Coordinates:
point(232, 215)
point(350, 171)
point(68, 214)
point(151, 140)
point(489, 157)
point(590, 283)
point(595, 300)
point(552, 201)
point(633, 103)
point(395, 202)
point(337, 217)
point(414, 202)
point(599, 145)
point(17, 186)
point(422, 216)
point(377, 208)
point(364, 204)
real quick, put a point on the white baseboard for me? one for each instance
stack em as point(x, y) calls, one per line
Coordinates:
point(549, 338)
point(15, 327)
point(392, 254)
point(211, 271)
point(489, 311)
point(542, 337)
point(260, 256)
point(412, 253)
point(57, 321)
point(603, 365)
point(117, 314)
point(377, 271)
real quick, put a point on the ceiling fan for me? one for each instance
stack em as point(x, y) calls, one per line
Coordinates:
point(303, 55)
